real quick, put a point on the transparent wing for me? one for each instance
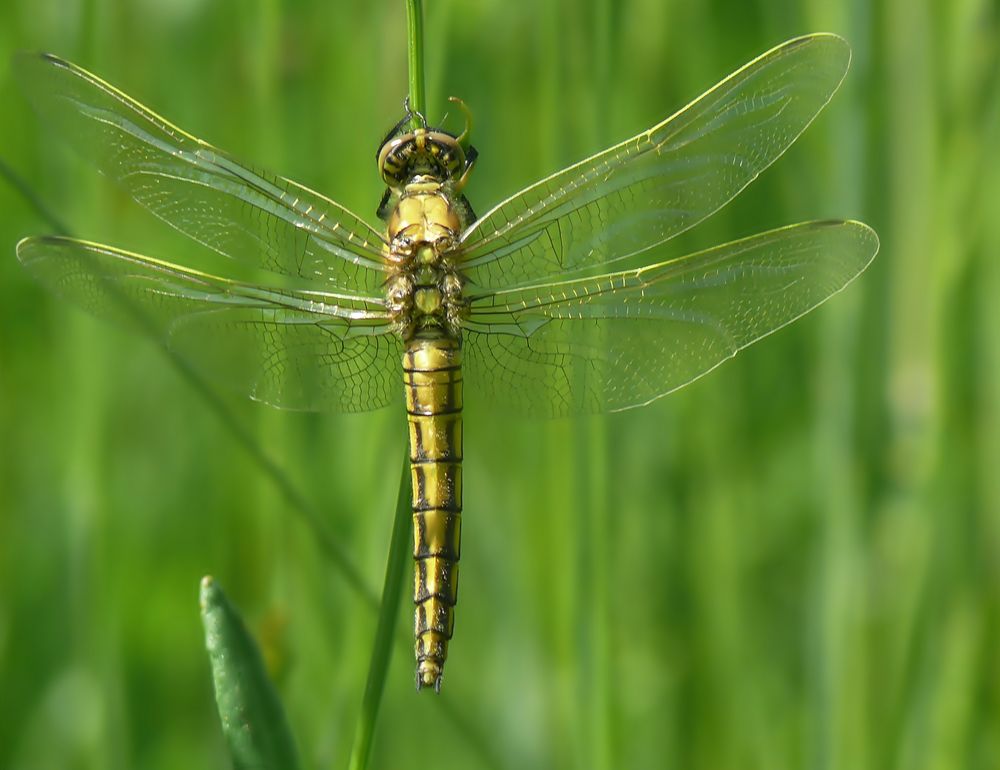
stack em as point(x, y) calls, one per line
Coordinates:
point(624, 339)
point(291, 349)
point(648, 189)
point(243, 213)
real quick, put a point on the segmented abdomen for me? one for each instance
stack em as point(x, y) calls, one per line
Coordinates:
point(432, 374)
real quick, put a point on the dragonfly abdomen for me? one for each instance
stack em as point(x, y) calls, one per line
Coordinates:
point(432, 375)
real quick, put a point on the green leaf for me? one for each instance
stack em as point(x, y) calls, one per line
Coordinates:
point(253, 719)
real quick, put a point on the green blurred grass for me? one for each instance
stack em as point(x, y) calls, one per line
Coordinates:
point(792, 563)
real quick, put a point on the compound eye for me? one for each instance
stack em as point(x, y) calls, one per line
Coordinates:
point(389, 169)
point(393, 158)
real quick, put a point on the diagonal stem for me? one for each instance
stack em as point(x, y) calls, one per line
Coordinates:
point(331, 548)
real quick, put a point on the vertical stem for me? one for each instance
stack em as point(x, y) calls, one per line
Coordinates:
point(399, 545)
point(415, 54)
point(392, 592)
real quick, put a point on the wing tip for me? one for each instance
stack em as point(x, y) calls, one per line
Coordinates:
point(874, 242)
point(25, 245)
point(28, 245)
point(858, 230)
point(831, 39)
point(836, 45)
point(22, 246)
point(863, 231)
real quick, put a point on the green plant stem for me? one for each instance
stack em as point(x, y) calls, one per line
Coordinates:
point(392, 593)
point(397, 560)
point(415, 55)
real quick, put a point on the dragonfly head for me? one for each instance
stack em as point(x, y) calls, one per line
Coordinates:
point(421, 152)
point(414, 149)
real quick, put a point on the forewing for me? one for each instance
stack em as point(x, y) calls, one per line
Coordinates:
point(648, 189)
point(291, 349)
point(624, 339)
point(241, 212)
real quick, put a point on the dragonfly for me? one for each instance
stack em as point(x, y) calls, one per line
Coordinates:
point(561, 300)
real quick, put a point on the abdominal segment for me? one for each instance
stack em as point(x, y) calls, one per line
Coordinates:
point(433, 378)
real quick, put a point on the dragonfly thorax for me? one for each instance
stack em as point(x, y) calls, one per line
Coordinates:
point(425, 288)
point(423, 215)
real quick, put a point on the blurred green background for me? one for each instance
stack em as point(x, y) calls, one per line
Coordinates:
point(792, 563)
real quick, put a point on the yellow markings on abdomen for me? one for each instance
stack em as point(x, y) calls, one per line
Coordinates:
point(432, 375)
